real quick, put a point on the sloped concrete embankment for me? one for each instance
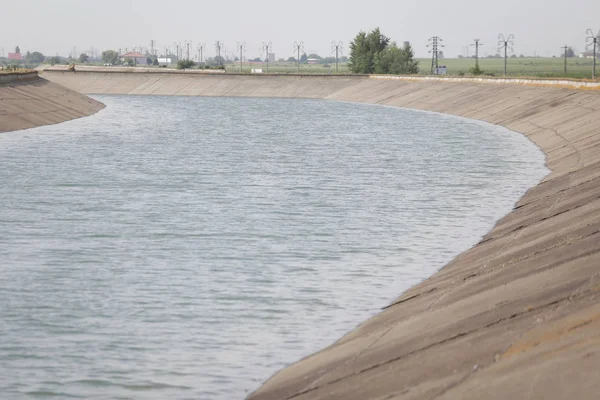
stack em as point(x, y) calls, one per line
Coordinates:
point(518, 315)
point(27, 101)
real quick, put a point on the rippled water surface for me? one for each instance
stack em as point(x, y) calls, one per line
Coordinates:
point(187, 248)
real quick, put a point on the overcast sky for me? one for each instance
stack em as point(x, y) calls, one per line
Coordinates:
point(59, 26)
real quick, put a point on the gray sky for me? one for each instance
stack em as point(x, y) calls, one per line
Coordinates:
point(57, 26)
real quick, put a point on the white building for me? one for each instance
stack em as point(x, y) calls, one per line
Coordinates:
point(590, 54)
point(441, 70)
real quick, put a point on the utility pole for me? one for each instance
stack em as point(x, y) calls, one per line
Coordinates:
point(241, 47)
point(177, 47)
point(188, 45)
point(152, 45)
point(477, 44)
point(566, 52)
point(592, 41)
point(338, 47)
point(267, 48)
point(506, 44)
point(434, 43)
point(219, 49)
point(201, 49)
point(298, 46)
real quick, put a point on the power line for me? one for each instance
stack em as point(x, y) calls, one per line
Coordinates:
point(465, 51)
point(242, 48)
point(267, 48)
point(434, 43)
point(477, 44)
point(506, 44)
point(188, 45)
point(298, 47)
point(566, 54)
point(178, 51)
point(338, 48)
point(219, 47)
point(592, 40)
point(201, 50)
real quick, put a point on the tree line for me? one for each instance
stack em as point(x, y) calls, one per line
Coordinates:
point(375, 53)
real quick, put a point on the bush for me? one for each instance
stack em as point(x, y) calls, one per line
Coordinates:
point(184, 64)
point(476, 70)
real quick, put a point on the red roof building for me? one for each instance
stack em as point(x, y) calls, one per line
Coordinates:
point(15, 56)
point(133, 54)
point(137, 58)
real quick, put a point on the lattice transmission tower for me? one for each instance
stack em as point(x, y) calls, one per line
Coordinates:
point(435, 44)
point(298, 47)
point(592, 41)
point(506, 44)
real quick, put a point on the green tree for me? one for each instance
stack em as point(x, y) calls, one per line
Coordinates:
point(364, 49)
point(359, 59)
point(218, 60)
point(412, 66)
point(303, 59)
point(18, 50)
point(395, 60)
point(315, 56)
point(110, 57)
point(83, 58)
point(34, 58)
point(570, 52)
point(54, 60)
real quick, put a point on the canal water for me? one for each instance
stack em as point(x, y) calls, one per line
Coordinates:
point(188, 248)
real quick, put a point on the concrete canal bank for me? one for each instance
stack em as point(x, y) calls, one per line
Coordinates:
point(27, 101)
point(518, 315)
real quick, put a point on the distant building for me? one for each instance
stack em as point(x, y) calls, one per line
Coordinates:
point(312, 61)
point(166, 61)
point(138, 58)
point(15, 56)
point(590, 54)
point(441, 70)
